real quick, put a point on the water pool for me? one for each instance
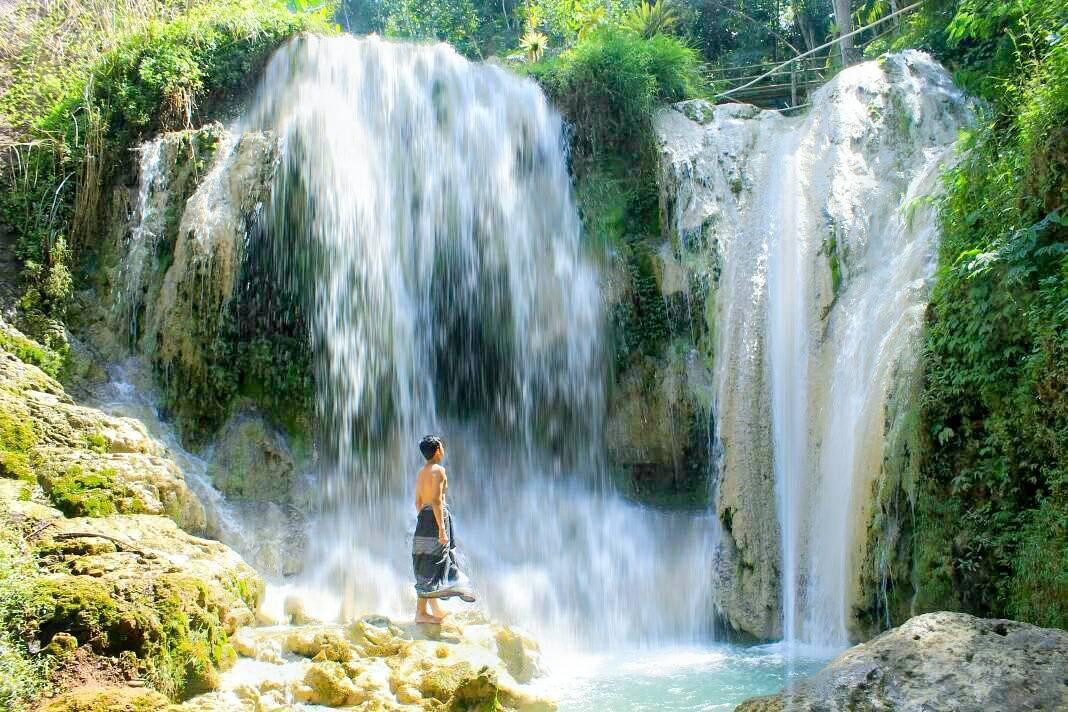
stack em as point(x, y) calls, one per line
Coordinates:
point(716, 678)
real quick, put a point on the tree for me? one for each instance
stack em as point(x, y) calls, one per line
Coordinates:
point(843, 17)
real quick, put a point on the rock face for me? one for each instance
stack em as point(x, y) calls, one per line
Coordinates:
point(251, 461)
point(807, 244)
point(171, 263)
point(938, 661)
point(96, 503)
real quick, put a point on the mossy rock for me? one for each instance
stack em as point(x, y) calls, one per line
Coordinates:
point(476, 693)
point(461, 687)
point(78, 493)
point(120, 699)
point(326, 683)
point(167, 621)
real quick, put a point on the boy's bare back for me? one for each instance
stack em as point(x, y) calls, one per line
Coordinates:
point(430, 486)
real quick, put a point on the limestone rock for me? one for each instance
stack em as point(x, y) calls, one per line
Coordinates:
point(326, 683)
point(319, 644)
point(136, 482)
point(519, 653)
point(120, 699)
point(938, 661)
point(251, 460)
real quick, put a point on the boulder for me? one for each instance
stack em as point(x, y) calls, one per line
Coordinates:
point(319, 644)
point(251, 460)
point(938, 661)
point(325, 683)
point(120, 699)
point(519, 653)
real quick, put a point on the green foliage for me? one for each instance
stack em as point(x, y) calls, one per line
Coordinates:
point(23, 676)
point(477, 28)
point(986, 42)
point(610, 82)
point(992, 521)
point(649, 20)
point(168, 74)
point(566, 21)
point(533, 43)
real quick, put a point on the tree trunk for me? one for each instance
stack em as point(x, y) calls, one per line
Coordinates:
point(804, 25)
point(842, 11)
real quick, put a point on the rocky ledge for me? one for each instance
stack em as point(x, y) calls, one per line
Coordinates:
point(101, 583)
point(938, 661)
point(106, 591)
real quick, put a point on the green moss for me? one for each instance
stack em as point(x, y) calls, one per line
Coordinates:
point(16, 465)
point(125, 699)
point(17, 437)
point(96, 442)
point(830, 250)
point(84, 607)
point(80, 493)
point(167, 623)
point(29, 351)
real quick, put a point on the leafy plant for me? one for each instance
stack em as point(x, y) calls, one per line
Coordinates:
point(992, 513)
point(653, 19)
point(533, 44)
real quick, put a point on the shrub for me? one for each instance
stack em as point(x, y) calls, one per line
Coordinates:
point(610, 82)
point(23, 677)
point(993, 511)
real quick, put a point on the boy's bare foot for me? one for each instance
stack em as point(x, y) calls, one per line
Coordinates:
point(427, 619)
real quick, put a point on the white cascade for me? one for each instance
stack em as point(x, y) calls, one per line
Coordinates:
point(824, 242)
point(422, 210)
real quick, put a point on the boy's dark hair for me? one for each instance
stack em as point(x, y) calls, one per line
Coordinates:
point(429, 445)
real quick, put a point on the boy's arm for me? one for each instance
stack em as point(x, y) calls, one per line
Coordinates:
point(439, 504)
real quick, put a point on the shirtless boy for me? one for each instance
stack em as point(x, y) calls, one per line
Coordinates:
point(433, 548)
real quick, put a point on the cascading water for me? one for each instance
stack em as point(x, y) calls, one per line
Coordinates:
point(826, 247)
point(422, 210)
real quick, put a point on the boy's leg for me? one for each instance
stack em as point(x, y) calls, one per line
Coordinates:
point(435, 609)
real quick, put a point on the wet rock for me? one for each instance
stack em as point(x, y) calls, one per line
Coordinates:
point(295, 612)
point(122, 699)
point(326, 683)
point(938, 661)
point(319, 645)
point(378, 640)
point(519, 653)
point(251, 460)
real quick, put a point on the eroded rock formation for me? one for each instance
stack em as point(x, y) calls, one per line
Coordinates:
point(809, 241)
point(938, 661)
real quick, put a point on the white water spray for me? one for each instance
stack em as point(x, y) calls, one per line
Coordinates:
point(423, 212)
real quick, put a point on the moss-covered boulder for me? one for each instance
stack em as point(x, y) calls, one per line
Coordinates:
point(251, 460)
point(119, 699)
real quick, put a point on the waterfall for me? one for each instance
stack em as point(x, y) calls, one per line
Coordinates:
point(422, 212)
point(823, 226)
